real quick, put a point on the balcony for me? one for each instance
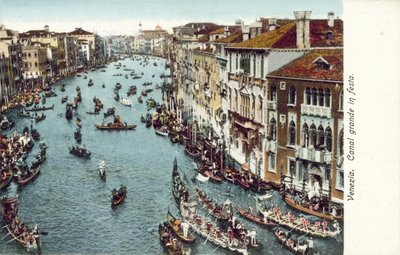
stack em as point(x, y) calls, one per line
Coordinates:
point(271, 105)
point(313, 155)
point(314, 110)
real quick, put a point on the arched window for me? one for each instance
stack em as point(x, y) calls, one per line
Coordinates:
point(328, 134)
point(321, 135)
point(292, 133)
point(272, 129)
point(341, 142)
point(304, 133)
point(308, 96)
point(321, 97)
point(313, 131)
point(341, 101)
point(314, 96)
point(273, 93)
point(327, 98)
point(292, 95)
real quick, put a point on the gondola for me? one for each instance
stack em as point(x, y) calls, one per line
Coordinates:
point(35, 134)
point(5, 179)
point(79, 152)
point(50, 93)
point(140, 100)
point(93, 113)
point(29, 103)
point(30, 246)
point(90, 83)
point(116, 96)
point(258, 185)
point(78, 135)
point(6, 124)
point(214, 174)
point(69, 113)
point(39, 117)
point(24, 114)
point(115, 126)
point(193, 151)
point(175, 226)
point(118, 86)
point(147, 83)
point(257, 219)
point(35, 172)
point(142, 119)
point(37, 109)
point(110, 111)
point(38, 161)
point(43, 100)
point(62, 88)
point(172, 247)
point(290, 201)
point(118, 197)
point(293, 245)
point(242, 182)
point(102, 170)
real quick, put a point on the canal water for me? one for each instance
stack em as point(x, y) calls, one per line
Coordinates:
point(69, 200)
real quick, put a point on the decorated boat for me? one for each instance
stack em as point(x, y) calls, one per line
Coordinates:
point(329, 216)
point(179, 229)
point(222, 212)
point(210, 171)
point(9, 208)
point(30, 176)
point(303, 225)
point(116, 126)
point(30, 240)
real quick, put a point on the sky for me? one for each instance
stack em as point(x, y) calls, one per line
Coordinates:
point(113, 17)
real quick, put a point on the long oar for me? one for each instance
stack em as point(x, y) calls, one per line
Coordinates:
point(4, 226)
point(5, 236)
point(14, 238)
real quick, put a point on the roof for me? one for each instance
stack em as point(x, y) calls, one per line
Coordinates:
point(233, 38)
point(36, 33)
point(285, 36)
point(80, 31)
point(203, 38)
point(306, 67)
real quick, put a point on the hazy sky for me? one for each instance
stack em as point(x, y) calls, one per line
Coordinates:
point(123, 16)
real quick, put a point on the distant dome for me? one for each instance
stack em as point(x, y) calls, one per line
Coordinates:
point(158, 27)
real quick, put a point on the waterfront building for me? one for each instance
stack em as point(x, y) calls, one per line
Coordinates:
point(35, 61)
point(305, 124)
point(11, 44)
point(86, 41)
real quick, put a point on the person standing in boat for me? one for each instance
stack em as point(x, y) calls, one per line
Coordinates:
point(310, 248)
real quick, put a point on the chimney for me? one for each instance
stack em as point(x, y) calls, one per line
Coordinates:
point(302, 29)
point(331, 19)
point(272, 24)
point(226, 31)
point(46, 28)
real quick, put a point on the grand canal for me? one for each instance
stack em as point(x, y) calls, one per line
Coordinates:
point(71, 202)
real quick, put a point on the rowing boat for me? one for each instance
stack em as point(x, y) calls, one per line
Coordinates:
point(176, 227)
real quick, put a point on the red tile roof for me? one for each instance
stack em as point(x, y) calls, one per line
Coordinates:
point(80, 31)
point(203, 38)
point(306, 67)
point(233, 38)
point(285, 36)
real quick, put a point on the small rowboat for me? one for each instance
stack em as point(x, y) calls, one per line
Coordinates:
point(31, 177)
point(163, 131)
point(118, 199)
point(93, 113)
point(257, 219)
point(172, 247)
point(293, 245)
point(115, 126)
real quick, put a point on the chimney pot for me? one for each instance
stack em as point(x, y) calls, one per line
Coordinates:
point(331, 19)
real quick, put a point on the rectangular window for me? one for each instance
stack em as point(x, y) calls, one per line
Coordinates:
point(237, 60)
point(262, 66)
point(272, 163)
point(292, 168)
point(339, 179)
point(254, 66)
point(244, 147)
point(245, 65)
